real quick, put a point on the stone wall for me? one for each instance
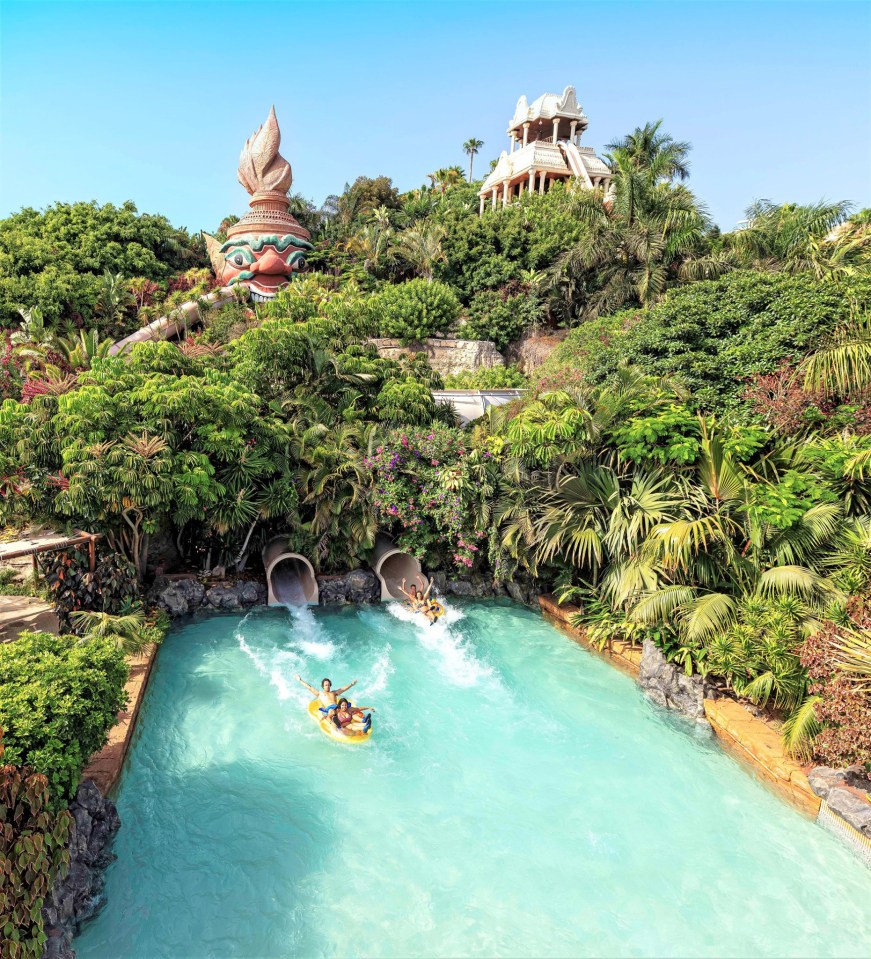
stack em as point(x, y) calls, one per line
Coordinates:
point(669, 686)
point(78, 896)
point(358, 586)
point(447, 356)
point(181, 596)
point(531, 350)
point(845, 791)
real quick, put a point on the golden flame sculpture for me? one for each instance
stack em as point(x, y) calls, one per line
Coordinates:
point(267, 246)
point(262, 169)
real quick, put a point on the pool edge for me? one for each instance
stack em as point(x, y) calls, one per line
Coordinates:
point(743, 735)
point(104, 767)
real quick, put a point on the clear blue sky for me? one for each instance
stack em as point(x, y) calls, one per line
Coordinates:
point(153, 101)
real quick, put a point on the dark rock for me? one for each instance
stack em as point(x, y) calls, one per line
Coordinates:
point(224, 597)
point(516, 592)
point(823, 778)
point(179, 597)
point(363, 586)
point(252, 593)
point(357, 586)
point(855, 810)
point(459, 587)
point(332, 590)
point(667, 685)
point(857, 777)
point(440, 581)
point(78, 896)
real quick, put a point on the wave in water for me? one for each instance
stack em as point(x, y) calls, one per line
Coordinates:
point(457, 661)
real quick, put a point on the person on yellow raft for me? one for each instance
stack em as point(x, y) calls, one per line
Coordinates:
point(339, 718)
point(420, 602)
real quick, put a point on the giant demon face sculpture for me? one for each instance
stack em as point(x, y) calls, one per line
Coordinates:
point(267, 246)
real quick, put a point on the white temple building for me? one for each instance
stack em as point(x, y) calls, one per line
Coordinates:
point(545, 146)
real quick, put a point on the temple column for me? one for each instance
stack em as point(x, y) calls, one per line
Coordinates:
point(555, 128)
point(541, 182)
point(481, 208)
point(525, 133)
point(574, 127)
point(520, 189)
point(505, 194)
point(494, 197)
point(532, 181)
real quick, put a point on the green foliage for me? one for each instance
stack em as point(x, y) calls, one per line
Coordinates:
point(669, 434)
point(111, 588)
point(714, 335)
point(33, 850)
point(408, 401)
point(487, 378)
point(500, 318)
point(414, 310)
point(59, 697)
point(56, 259)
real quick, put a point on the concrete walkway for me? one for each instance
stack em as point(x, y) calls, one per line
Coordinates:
point(20, 613)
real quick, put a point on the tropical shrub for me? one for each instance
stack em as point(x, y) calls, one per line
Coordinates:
point(838, 662)
point(59, 697)
point(714, 336)
point(428, 490)
point(111, 588)
point(56, 259)
point(501, 317)
point(414, 310)
point(33, 849)
point(487, 378)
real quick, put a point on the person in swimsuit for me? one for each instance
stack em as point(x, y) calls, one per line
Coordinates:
point(429, 607)
point(414, 598)
point(327, 695)
point(351, 720)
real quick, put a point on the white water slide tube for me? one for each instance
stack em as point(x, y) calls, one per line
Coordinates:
point(290, 577)
point(391, 565)
point(576, 164)
point(185, 317)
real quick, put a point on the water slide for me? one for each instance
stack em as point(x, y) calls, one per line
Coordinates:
point(184, 317)
point(290, 577)
point(576, 164)
point(391, 565)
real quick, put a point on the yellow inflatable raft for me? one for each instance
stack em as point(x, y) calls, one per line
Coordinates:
point(434, 611)
point(355, 732)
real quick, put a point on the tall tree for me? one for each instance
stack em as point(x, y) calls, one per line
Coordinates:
point(470, 148)
point(656, 153)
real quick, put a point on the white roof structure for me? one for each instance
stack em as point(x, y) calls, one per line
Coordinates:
point(548, 106)
point(545, 147)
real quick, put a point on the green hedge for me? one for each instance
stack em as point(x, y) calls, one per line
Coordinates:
point(414, 310)
point(713, 335)
point(59, 697)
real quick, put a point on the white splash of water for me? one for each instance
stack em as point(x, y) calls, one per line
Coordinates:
point(381, 672)
point(457, 661)
point(274, 666)
point(307, 634)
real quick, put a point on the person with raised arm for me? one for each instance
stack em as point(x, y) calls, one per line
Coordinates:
point(327, 695)
point(413, 595)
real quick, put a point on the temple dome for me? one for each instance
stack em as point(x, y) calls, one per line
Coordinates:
point(548, 106)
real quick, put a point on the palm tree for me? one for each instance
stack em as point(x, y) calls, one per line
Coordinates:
point(80, 351)
point(33, 340)
point(657, 154)
point(113, 299)
point(471, 147)
point(127, 630)
point(796, 238)
point(446, 177)
point(421, 248)
point(632, 252)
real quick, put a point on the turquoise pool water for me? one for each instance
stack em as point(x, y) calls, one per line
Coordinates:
point(519, 797)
